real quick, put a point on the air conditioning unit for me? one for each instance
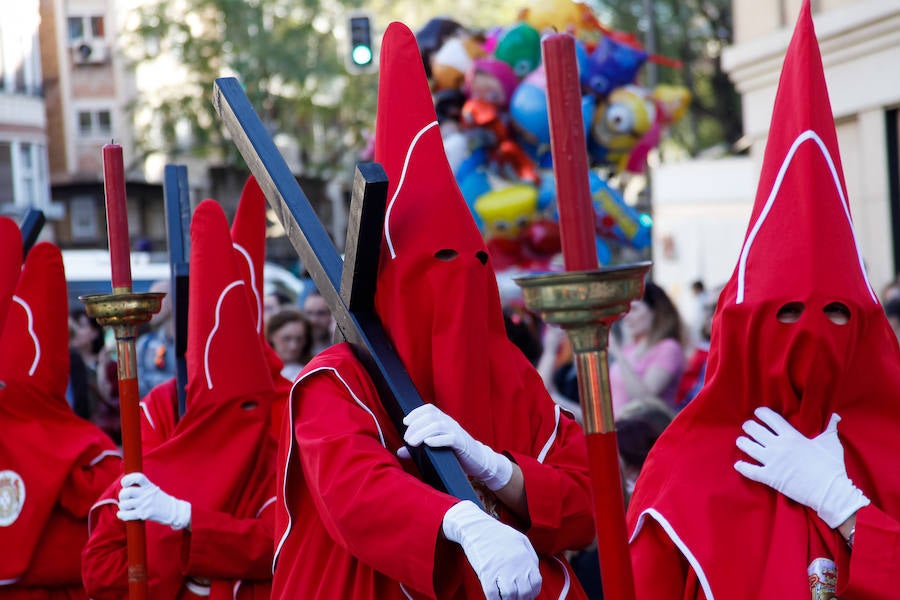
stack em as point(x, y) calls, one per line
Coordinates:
point(90, 52)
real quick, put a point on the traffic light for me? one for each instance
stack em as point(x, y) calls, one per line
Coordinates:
point(362, 51)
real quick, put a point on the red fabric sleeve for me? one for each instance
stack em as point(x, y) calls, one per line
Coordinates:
point(559, 493)
point(221, 546)
point(874, 563)
point(660, 570)
point(104, 567)
point(104, 561)
point(381, 514)
point(87, 482)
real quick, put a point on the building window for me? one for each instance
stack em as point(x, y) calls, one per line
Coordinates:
point(83, 214)
point(23, 174)
point(20, 65)
point(7, 191)
point(86, 28)
point(94, 123)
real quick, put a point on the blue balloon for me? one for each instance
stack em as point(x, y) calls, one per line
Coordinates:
point(528, 108)
point(612, 64)
point(472, 186)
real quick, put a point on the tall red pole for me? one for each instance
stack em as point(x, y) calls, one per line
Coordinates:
point(576, 219)
point(129, 411)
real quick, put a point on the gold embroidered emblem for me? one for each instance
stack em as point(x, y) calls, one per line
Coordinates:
point(822, 575)
point(12, 497)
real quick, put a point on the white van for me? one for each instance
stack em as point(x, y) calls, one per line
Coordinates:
point(89, 272)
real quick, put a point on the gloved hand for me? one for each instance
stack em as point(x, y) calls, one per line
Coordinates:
point(428, 424)
point(141, 499)
point(808, 471)
point(502, 557)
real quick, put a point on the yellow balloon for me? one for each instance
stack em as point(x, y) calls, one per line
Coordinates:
point(672, 100)
point(506, 211)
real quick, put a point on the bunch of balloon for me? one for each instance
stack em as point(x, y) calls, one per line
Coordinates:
point(490, 94)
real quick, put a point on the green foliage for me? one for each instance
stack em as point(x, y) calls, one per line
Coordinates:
point(286, 54)
point(694, 32)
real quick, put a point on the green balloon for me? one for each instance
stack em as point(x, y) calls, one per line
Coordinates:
point(520, 48)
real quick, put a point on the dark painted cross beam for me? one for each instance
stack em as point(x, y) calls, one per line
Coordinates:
point(31, 227)
point(348, 286)
point(178, 231)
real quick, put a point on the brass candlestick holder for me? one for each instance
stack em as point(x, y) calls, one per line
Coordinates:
point(586, 304)
point(124, 310)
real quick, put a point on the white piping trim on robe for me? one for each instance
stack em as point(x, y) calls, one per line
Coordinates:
point(254, 285)
point(146, 412)
point(265, 504)
point(98, 505)
point(770, 201)
point(549, 443)
point(104, 454)
point(564, 592)
point(37, 344)
point(228, 288)
point(387, 213)
point(290, 453)
point(670, 531)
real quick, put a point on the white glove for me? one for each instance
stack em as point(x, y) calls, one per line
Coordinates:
point(502, 557)
point(428, 424)
point(142, 500)
point(808, 471)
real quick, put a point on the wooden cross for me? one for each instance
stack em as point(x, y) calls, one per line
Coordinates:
point(178, 232)
point(347, 285)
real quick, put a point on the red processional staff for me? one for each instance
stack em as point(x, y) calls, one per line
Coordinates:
point(124, 310)
point(585, 301)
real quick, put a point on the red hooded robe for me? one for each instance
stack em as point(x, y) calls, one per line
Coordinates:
point(700, 529)
point(248, 232)
point(53, 464)
point(356, 522)
point(220, 456)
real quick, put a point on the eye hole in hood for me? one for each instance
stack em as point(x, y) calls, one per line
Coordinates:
point(837, 313)
point(447, 254)
point(790, 312)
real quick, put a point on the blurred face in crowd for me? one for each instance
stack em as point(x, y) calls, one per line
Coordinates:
point(316, 310)
point(289, 340)
point(638, 320)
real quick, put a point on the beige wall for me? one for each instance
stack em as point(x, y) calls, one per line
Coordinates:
point(860, 44)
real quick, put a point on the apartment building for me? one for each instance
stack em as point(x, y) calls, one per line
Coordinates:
point(24, 180)
point(87, 87)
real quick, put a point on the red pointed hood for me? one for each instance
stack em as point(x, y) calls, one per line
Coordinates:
point(42, 438)
point(436, 291)
point(217, 444)
point(248, 232)
point(800, 252)
point(221, 319)
point(10, 265)
point(220, 456)
point(35, 344)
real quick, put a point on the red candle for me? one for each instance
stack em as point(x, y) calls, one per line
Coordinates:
point(567, 145)
point(117, 217)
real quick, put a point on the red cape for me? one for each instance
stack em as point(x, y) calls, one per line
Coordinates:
point(48, 453)
point(741, 538)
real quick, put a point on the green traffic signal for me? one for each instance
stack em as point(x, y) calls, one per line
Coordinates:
point(362, 55)
point(361, 52)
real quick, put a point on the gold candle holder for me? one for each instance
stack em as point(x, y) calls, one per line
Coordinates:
point(586, 304)
point(124, 311)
